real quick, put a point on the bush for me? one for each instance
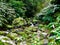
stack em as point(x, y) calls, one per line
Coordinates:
point(47, 14)
point(19, 7)
point(7, 14)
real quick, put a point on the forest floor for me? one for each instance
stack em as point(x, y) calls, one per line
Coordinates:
point(25, 35)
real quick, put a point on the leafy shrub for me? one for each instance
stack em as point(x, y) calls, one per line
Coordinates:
point(19, 7)
point(55, 36)
point(47, 14)
point(7, 14)
point(27, 8)
point(53, 25)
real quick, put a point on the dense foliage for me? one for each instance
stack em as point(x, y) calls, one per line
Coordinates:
point(30, 22)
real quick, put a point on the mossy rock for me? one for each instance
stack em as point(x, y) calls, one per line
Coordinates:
point(19, 22)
